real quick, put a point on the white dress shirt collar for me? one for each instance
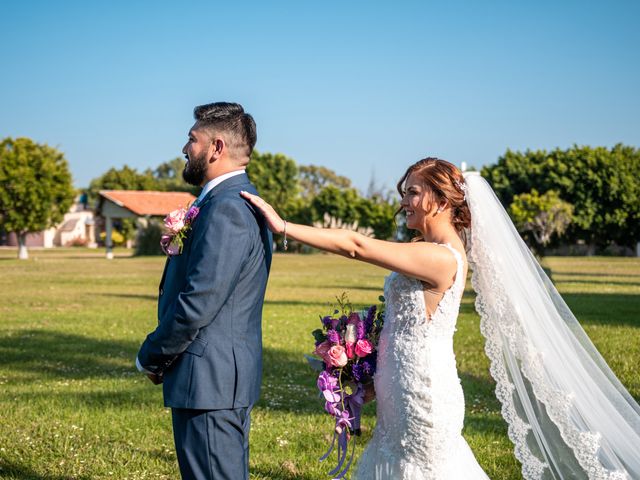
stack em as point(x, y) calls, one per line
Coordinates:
point(214, 182)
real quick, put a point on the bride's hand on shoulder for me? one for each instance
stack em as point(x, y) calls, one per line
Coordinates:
point(274, 221)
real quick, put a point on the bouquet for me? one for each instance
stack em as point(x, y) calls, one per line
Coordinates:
point(347, 346)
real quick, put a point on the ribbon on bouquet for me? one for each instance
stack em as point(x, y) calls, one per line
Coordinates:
point(348, 420)
point(342, 438)
point(354, 404)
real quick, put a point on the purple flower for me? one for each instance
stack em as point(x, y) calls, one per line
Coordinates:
point(371, 315)
point(360, 330)
point(333, 336)
point(327, 381)
point(343, 421)
point(338, 321)
point(367, 367)
point(326, 321)
point(332, 409)
point(192, 214)
point(356, 370)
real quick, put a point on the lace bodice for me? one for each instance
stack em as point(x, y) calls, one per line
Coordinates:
point(420, 406)
point(406, 305)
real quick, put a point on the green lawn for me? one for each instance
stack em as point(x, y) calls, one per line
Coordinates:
point(72, 405)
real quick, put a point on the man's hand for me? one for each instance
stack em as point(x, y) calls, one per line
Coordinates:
point(155, 378)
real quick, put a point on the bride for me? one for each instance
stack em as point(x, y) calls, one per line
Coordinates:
point(569, 416)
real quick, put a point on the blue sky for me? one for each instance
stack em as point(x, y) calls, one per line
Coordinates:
point(362, 87)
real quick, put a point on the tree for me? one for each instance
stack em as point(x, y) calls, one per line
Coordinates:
point(543, 216)
point(125, 178)
point(168, 177)
point(599, 182)
point(35, 188)
point(275, 177)
point(338, 204)
point(313, 179)
point(378, 213)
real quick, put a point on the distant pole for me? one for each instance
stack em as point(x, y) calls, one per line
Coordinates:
point(107, 239)
point(638, 249)
point(463, 166)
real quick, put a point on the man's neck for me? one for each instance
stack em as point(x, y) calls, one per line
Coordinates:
point(211, 184)
point(220, 173)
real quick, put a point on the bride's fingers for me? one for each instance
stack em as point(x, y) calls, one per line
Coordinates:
point(248, 196)
point(276, 224)
point(256, 200)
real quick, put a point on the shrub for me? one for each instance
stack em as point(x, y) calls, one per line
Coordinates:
point(148, 239)
point(116, 237)
point(77, 242)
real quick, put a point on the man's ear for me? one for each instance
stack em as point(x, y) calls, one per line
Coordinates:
point(216, 149)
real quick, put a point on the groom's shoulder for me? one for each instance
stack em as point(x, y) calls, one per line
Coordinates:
point(230, 204)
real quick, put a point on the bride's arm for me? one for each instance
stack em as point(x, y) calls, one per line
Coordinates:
point(424, 261)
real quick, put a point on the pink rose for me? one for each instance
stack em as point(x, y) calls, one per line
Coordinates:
point(175, 220)
point(336, 356)
point(363, 348)
point(349, 350)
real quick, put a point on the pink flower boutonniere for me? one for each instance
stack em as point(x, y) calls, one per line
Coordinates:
point(178, 223)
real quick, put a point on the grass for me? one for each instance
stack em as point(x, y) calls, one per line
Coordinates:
point(72, 405)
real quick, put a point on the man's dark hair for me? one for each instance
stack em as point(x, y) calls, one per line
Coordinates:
point(229, 118)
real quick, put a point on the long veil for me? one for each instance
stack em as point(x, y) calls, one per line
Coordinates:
point(569, 417)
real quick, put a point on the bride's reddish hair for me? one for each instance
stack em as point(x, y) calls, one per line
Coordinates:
point(445, 182)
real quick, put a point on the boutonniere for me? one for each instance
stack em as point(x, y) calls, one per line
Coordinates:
point(178, 223)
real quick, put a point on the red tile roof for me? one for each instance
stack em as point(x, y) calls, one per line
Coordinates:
point(148, 202)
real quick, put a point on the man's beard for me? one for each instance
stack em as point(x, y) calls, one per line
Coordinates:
point(195, 170)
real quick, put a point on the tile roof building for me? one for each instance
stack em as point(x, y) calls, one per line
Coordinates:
point(137, 203)
point(144, 202)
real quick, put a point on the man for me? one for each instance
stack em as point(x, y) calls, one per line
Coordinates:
point(207, 347)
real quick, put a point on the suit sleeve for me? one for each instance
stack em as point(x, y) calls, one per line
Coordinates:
point(220, 245)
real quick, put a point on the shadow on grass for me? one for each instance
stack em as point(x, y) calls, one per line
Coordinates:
point(137, 296)
point(587, 282)
point(279, 474)
point(605, 308)
point(17, 471)
point(615, 309)
point(138, 397)
point(562, 273)
point(288, 381)
point(348, 288)
point(479, 423)
point(66, 356)
point(294, 303)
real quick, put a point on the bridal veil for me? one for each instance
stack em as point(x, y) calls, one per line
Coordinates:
point(569, 417)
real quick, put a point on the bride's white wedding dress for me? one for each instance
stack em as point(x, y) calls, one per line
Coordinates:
point(420, 405)
point(569, 416)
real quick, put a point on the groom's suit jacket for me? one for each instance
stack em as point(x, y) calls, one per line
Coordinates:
point(208, 343)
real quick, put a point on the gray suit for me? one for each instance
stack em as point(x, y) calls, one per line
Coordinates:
point(208, 343)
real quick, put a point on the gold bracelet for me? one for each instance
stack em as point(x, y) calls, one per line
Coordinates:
point(285, 244)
